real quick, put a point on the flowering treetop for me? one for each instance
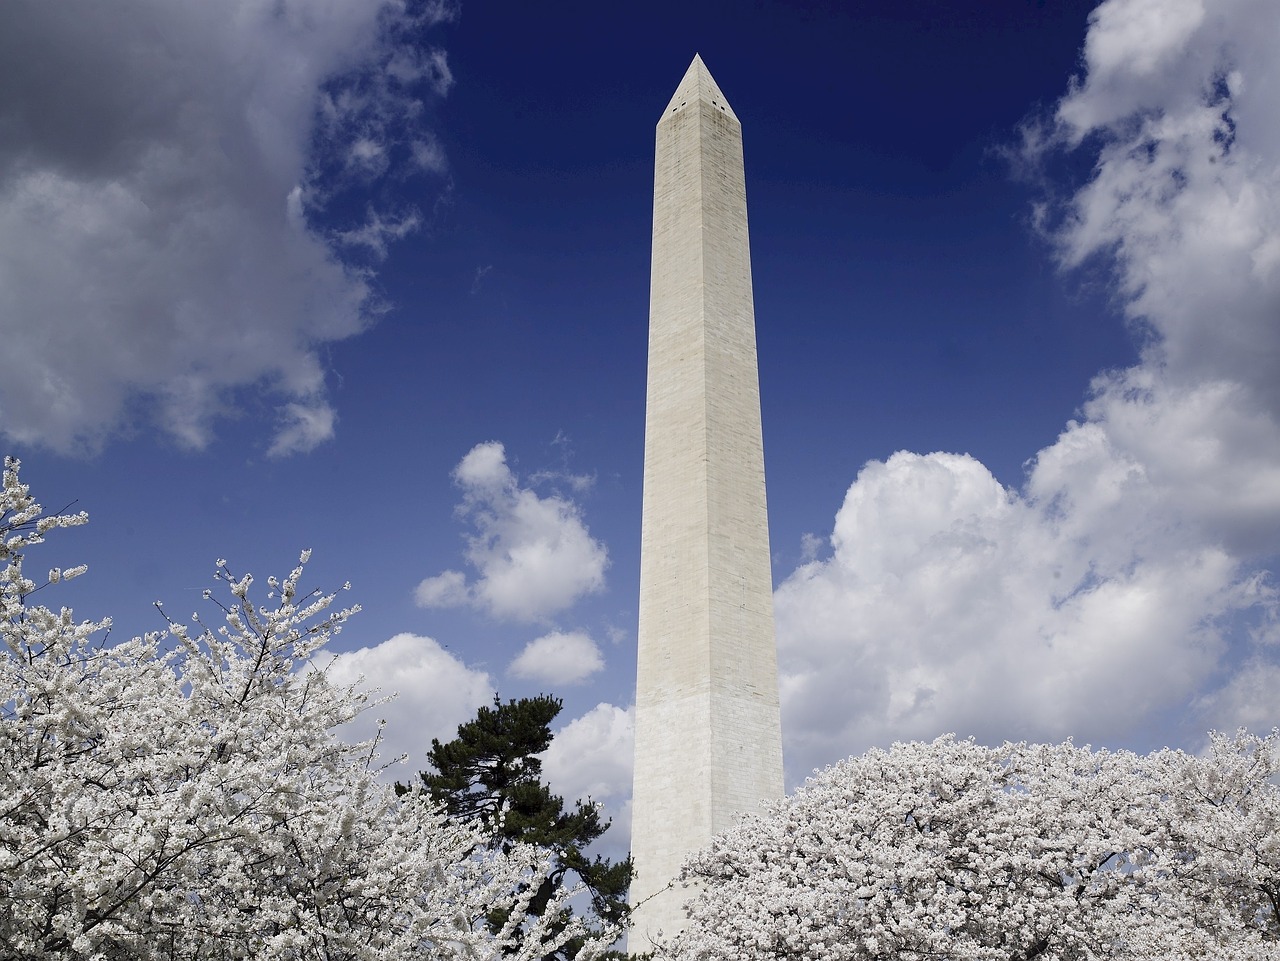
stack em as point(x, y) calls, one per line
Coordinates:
point(951, 850)
point(181, 795)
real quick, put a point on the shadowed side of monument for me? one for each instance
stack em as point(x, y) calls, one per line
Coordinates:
point(708, 737)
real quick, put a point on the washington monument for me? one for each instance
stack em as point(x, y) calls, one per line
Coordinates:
point(708, 740)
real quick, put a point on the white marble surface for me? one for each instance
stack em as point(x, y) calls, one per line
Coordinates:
point(708, 740)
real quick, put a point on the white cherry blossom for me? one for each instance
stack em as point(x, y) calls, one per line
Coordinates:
point(181, 795)
point(957, 852)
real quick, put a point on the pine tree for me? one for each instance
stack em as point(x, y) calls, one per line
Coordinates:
point(491, 774)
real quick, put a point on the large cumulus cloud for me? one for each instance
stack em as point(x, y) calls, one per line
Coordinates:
point(1126, 584)
point(159, 163)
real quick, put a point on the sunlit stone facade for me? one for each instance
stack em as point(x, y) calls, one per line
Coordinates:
point(708, 742)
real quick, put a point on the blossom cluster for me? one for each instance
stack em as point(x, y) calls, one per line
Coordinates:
point(181, 795)
point(951, 850)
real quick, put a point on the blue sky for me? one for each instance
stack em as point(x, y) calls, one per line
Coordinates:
point(285, 275)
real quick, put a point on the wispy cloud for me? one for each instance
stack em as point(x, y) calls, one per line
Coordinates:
point(478, 280)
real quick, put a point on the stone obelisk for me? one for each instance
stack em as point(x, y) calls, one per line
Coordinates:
point(708, 741)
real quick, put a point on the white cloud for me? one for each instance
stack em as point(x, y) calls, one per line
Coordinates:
point(447, 589)
point(1247, 700)
point(157, 164)
point(1123, 590)
point(950, 603)
point(435, 692)
point(534, 555)
point(591, 757)
point(1133, 38)
point(303, 427)
point(558, 658)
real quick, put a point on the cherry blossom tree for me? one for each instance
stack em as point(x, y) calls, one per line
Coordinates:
point(181, 796)
point(950, 850)
point(1225, 813)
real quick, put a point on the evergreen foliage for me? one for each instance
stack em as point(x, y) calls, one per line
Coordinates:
point(491, 775)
